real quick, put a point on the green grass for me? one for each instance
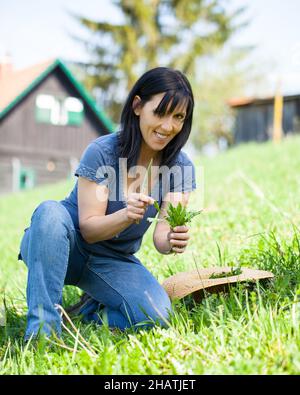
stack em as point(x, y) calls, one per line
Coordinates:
point(251, 218)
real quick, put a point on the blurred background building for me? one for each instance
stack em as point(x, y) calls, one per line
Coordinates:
point(233, 52)
point(47, 118)
point(254, 118)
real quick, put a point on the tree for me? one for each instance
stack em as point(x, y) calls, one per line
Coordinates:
point(172, 33)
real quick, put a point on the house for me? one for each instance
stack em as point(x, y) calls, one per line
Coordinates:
point(254, 117)
point(47, 119)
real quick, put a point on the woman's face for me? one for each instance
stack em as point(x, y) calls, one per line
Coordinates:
point(158, 131)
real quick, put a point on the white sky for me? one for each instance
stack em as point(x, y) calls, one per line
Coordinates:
point(35, 30)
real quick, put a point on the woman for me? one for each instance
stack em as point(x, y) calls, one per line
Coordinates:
point(89, 239)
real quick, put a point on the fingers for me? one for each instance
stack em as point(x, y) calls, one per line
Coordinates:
point(136, 210)
point(178, 246)
point(178, 250)
point(141, 197)
point(181, 229)
point(175, 247)
point(178, 243)
point(146, 199)
point(179, 236)
point(134, 217)
point(135, 214)
point(137, 205)
point(177, 240)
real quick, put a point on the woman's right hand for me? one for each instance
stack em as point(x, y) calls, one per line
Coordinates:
point(137, 204)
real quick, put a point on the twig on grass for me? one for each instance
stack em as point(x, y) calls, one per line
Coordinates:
point(86, 347)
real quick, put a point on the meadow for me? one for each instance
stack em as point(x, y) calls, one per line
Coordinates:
point(250, 195)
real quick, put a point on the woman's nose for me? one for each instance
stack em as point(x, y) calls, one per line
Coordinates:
point(167, 124)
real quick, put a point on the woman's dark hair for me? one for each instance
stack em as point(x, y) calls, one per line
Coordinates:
point(177, 91)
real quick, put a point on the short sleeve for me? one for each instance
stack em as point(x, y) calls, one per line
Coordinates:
point(95, 164)
point(182, 175)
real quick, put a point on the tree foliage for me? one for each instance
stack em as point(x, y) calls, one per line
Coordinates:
point(172, 33)
point(221, 78)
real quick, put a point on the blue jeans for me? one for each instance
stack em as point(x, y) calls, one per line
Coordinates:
point(51, 249)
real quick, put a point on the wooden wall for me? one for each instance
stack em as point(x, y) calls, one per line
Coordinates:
point(37, 143)
point(254, 122)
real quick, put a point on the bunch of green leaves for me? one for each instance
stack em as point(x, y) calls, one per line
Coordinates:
point(176, 215)
point(232, 272)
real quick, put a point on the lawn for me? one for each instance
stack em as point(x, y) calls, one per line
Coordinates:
point(251, 217)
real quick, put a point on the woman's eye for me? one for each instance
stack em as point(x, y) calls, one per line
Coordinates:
point(180, 117)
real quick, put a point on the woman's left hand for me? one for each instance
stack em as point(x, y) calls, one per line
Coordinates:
point(178, 238)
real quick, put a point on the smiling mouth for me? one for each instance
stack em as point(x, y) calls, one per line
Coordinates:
point(161, 136)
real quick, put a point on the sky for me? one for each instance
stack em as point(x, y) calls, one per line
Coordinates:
point(35, 30)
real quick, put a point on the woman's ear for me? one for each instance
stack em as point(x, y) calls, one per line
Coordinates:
point(136, 104)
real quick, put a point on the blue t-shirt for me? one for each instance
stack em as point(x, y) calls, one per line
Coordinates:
point(100, 163)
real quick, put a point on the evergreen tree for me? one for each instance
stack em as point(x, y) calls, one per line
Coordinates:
point(174, 33)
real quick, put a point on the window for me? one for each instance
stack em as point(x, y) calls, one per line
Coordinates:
point(59, 111)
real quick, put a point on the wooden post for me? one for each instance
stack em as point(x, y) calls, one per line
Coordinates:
point(16, 171)
point(278, 110)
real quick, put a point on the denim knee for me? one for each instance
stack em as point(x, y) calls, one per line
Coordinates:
point(149, 311)
point(51, 218)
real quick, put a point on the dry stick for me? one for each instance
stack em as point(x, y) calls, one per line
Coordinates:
point(90, 353)
point(74, 327)
point(59, 342)
point(145, 180)
point(88, 349)
point(61, 345)
point(75, 346)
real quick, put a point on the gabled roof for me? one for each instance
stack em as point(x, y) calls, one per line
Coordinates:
point(20, 83)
